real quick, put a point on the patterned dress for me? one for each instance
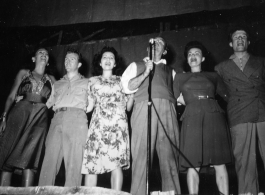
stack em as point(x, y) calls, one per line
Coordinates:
point(27, 123)
point(107, 145)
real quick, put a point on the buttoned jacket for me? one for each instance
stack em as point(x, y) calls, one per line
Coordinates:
point(246, 90)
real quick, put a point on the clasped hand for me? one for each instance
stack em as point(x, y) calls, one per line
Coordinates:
point(2, 127)
point(148, 67)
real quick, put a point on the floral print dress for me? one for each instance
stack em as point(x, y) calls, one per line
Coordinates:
point(107, 145)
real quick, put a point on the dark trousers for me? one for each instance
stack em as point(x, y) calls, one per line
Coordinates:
point(66, 139)
point(244, 149)
point(168, 158)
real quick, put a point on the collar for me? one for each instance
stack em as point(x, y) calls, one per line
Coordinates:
point(76, 77)
point(163, 61)
point(245, 57)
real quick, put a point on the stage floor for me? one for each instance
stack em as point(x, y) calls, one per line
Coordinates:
point(207, 180)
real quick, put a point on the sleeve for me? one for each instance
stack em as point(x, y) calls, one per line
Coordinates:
point(221, 88)
point(51, 99)
point(91, 99)
point(125, 96)
point(129, 73)
point(176, 85)
point(173, 74)
point(217, 69)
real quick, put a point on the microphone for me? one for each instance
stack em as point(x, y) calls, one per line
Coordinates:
point(151, 53)
point(151, 41)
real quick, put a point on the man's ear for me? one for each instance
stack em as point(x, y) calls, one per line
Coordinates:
point(230, 44)
point(165, 52)
point(79, 64)
point(33, 59)
point(203, 58)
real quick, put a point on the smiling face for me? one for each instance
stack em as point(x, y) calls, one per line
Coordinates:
point(41, 56)
point(239, 41)
point(107, 61)
point(195, 57)
point(71, 62)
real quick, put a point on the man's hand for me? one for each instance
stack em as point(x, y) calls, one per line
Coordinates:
point(148, 67)
point(18, 98)
point(2, 127)
point(134, 83)
point(180, 100)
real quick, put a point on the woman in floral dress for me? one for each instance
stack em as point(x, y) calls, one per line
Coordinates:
point(107, 147)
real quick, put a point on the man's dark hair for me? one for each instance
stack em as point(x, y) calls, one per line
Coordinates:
point(166, 45)
point(75, 51)
point(238, 27)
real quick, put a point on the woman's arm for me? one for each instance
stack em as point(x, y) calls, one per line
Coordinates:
point(11, 98)
point(130, 102)
point(52, 79)
point(90, 97)
point(222, 89)
point(90, 104)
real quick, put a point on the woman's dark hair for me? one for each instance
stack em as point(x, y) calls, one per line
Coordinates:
point(50, 68)
point(195, 44)
point(28, 63)
point(205, 53)
point(97, 59)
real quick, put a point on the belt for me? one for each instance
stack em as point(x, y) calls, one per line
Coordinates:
point(35, 98)
point(201, 97)
point(63, 109)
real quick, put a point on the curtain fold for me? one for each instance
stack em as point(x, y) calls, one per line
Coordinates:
point(63, 12)
point(133, 49)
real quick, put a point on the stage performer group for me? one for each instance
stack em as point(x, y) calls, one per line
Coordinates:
point(202, 138)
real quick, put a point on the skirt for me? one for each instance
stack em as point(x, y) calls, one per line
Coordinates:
point(205, 140)
point(23, 140)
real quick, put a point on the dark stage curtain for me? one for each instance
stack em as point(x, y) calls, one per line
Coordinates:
point(63, 12)
point(135, 48)
point(130, 49)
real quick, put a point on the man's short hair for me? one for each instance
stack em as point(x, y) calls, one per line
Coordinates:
point(166, 45)
point(75, 51)
point(238, 27)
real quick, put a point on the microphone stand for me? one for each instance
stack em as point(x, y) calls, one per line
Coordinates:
point(148, 160)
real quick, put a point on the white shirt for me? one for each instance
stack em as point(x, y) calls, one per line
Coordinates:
point(131, 72)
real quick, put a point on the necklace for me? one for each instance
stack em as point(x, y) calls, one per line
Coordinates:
point(107, 78)
point(37, 75)
point(37, 83)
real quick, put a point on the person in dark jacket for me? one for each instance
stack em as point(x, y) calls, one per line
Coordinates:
point(244, 76)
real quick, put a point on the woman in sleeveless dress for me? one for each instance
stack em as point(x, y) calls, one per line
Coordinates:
point(107, 147)
point(24, 125)
point(205, 139)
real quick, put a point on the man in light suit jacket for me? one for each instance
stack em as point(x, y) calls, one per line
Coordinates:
point(244, 76)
